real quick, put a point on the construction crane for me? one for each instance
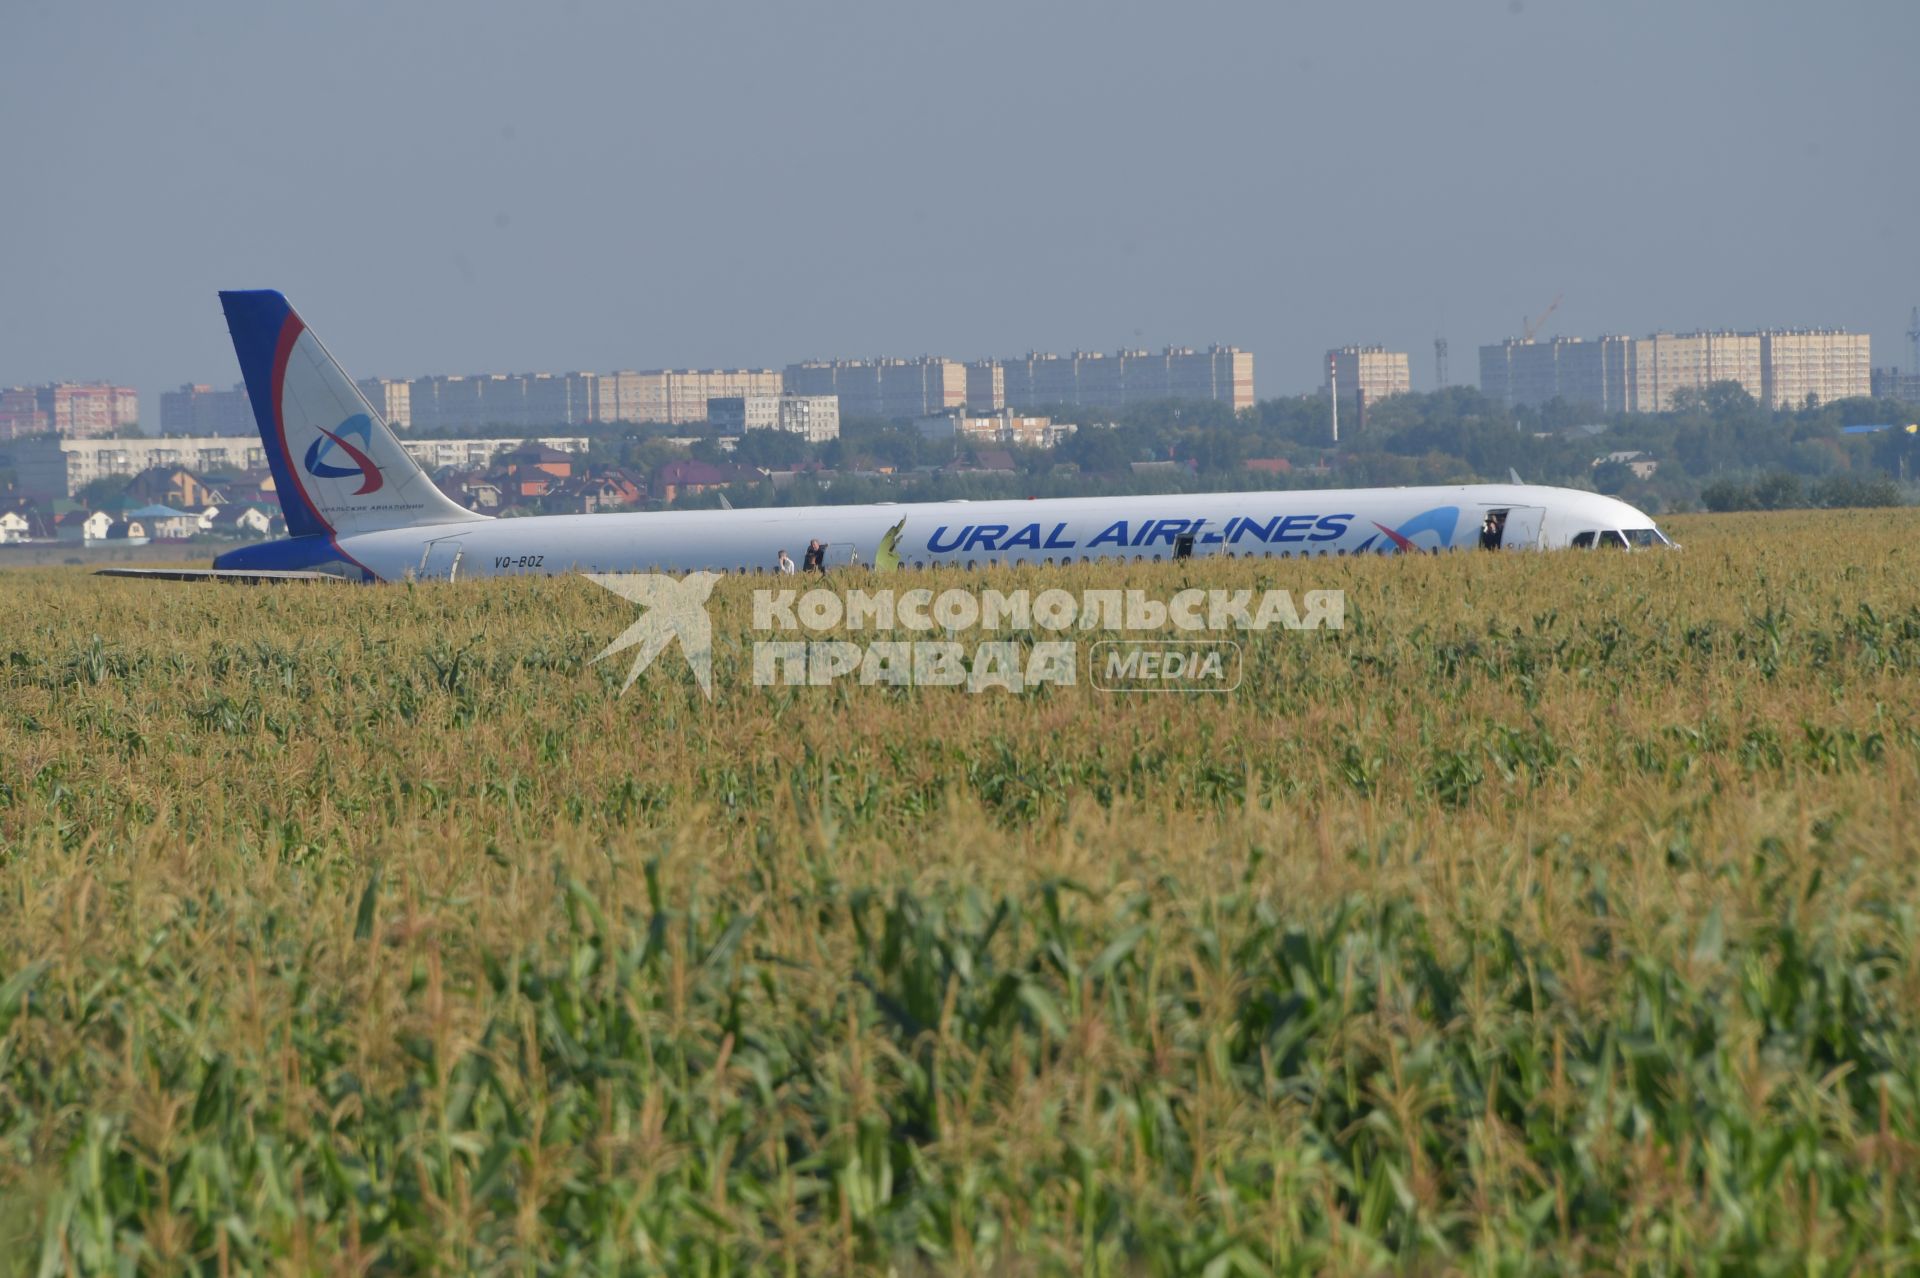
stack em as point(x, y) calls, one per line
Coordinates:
point(1528, 327)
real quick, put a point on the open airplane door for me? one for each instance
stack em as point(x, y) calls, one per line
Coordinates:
point(1523, 528)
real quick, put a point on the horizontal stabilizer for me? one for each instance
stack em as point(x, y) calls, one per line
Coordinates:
point(217, 574)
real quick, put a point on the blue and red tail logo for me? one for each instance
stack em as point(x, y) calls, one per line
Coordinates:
point(359, 426)
point(1441, 521)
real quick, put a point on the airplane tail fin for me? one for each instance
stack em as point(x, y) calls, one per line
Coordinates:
point(336, 465)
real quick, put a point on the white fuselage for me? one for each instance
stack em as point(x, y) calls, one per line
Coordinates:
point(978, 534)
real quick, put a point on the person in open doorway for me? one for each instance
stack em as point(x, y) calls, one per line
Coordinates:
point(1490, 530)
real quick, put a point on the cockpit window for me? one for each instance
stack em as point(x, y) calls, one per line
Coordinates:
point(1645, 537)
point(1583, 541)
point(1613, 539)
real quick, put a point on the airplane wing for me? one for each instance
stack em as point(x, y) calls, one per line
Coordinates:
point(215, 574)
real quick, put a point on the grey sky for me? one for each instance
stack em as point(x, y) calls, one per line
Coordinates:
point(456, 187)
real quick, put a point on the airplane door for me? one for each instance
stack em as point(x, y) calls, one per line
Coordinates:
point(442, 559)
point(1523, 528)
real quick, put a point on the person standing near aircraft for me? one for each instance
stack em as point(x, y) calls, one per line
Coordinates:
point(785, 564)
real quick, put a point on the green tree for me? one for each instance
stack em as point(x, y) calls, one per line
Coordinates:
point(102, 489)
point(1612, 477)
point(1727, 494)
point(1778, 490)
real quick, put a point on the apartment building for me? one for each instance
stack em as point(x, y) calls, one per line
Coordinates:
point(1801, 366)
point(198, 409)
point(1091, 379)
point(515, 401)
point(1616, 374)
point(391, 398)
point(1374, 371)
point(1002, 427)
point(889, 388)
point(986, 386)
point(73, 410)
point(1891, 383)
point(678, 396)
point(815, 418)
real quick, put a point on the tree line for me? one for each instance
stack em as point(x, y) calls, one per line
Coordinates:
point(1718, 449)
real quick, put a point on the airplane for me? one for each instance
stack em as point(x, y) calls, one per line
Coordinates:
point(358, 508)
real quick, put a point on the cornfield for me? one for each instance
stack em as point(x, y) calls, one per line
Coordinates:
point(1559, 914)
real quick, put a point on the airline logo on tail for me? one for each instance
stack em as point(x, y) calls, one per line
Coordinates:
point(360, 427)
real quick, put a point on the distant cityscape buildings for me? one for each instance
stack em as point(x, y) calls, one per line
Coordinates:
point(1127, 377)
point(1002, 427)
point(77, 410)
point(1891, 383)
point(1780, 368)
point(58, 468)
point(883, 387)
point(515, 401)
point(392, 399)
point(197, 409)
point(1374, 371)
point(932, 385)
point(678, 396)
point(991, 398)
point(815, 418)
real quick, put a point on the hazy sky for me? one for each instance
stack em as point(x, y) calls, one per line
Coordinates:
point(457, 187)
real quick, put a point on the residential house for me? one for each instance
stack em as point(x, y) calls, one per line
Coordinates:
point(131, 531)
point(14, 526)
point(536, 457)
point(816, 471)
point(529, 484)
point(986, 461)
point(165, 523)
point(172, 486)
point(587, 494)
point(243, 520)
point(470, 488)
point(676, 479)
point(84, 526)
point(1642, 464)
